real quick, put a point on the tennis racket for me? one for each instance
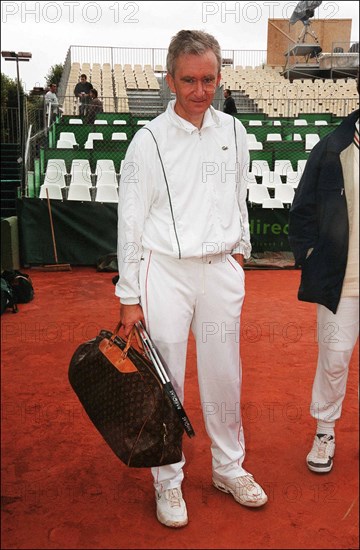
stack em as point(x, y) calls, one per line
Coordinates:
point(153, 356)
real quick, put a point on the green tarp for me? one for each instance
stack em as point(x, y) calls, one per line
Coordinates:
point(85, 231)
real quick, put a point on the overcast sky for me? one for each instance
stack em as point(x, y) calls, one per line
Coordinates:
point(48, 29)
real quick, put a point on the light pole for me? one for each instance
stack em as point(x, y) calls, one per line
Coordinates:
point(18, 56)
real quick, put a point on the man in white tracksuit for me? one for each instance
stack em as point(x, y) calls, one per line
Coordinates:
point(183, 234)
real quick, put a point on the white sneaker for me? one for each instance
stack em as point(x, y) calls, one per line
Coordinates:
point(244, 489)
point(320, 458)
point(171, 508)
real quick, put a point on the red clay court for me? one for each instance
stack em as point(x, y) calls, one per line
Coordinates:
point(62, 487)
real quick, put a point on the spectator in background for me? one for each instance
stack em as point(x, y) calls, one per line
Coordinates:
point(229, 103)
point(82, 91)
point(95, 106)
point(52, 99)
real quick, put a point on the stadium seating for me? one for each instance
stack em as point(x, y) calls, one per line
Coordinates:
point(54, 192)
point(271, 179)
point(107, 178)
point(272, 203)
point(257, 194)
point(64, 144)
point(106, 193)
point(79, 192)
point(285, 193)
point(287, 120)
point(54, 177)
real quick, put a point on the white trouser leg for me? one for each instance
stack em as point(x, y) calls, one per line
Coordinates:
point(168, 304)
point(337, 334)
point(173, 293)
point(216, 327)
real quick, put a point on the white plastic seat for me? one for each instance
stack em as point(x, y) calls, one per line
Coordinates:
point(106, 193)
point(259, 166)
point(301, 165)
point(258, 193)
point(297, 137)
point(293, 179)
point(283, 166)
point(81, 178)
point(90, 139)
point(255, 123)
point(251, 138)
point(75, 121)
point(119, 136)
point(272, 203)
point(64, 144)
point(54, 177)
point(321, 123)
point(285, 193)
point(106, 165)
point(300, 122)
point(68, 136)
point(58, 164)
point(53, 190)
point(255, 146)
point(80, 165)
point(271, 179)
point(94, 135)
point(273, 137)
point(107, 178)
point(121, 166)
point(142, 122)
point(310, 141)
point(100, 122)
point(276, 123)
point(120, 122)
point(79, 192)
point(250, 179)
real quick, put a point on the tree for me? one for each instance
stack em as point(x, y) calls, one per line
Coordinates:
point(9, 91)
point(9, 109)
point(54, 74)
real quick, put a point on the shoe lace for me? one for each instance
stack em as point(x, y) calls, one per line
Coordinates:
point(174, 497)
point(245, 481)
point(246, 486)
point(322, 445)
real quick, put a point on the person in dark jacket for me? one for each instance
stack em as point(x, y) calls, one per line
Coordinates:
point(82, 91)
point(95, 106)
point(229, 103)
point(324, 237)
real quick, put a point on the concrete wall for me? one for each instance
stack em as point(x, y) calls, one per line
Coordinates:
point(282, 36)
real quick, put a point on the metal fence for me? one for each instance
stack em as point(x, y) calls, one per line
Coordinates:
point(154, 56)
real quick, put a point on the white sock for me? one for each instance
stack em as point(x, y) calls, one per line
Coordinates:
point(326, 428)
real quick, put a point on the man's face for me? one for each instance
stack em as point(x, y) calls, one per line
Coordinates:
point(194, 82)
point(226, 94)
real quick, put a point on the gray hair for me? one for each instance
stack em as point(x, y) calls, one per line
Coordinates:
point(191, 42)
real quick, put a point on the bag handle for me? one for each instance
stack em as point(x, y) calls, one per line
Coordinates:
point(133, 333)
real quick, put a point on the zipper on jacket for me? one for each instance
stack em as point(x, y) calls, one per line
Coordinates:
point(342, 191)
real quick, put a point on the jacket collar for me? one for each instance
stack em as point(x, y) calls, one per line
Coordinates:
point(210, 119)
point(343, 136)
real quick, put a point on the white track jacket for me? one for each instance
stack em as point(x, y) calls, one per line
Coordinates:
point(189, 203)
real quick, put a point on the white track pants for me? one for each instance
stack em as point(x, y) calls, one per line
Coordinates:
point(179, 295)
point(337, 335)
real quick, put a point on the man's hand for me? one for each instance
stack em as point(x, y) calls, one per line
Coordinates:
point(239, 258)
point(129, 315)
